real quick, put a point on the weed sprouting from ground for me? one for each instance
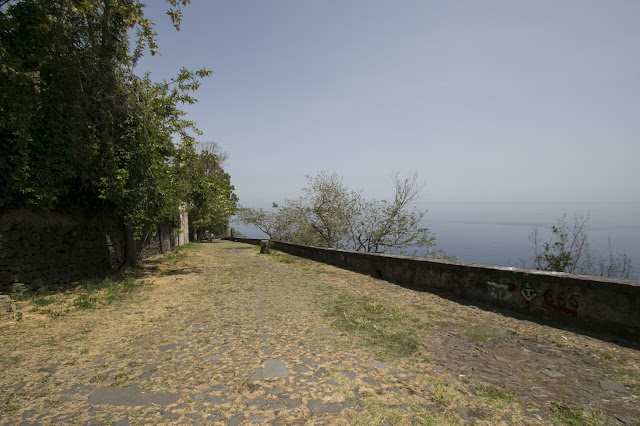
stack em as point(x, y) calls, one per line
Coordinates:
point(373, 413)
point(442, 395)
point(388, 330)
point(496, 397)
point(481, 337)
point(282, 257)
point(563, 414)
point(494, 393)
point(55, 301)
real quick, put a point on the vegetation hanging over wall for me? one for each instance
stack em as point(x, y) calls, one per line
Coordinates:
point(81, 132)
point(329, 214)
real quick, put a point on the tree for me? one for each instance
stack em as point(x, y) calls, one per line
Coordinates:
point(330, 214)
point(79, 130)
point(569, 250)
point(327, 207)
point(380, 226)
point(213, 201)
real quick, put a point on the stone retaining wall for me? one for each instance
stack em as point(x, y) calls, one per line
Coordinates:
point(37, 250)
point(610, 304)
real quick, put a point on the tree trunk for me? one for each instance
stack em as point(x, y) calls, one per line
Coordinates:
point(130, 250)
point(162, 249)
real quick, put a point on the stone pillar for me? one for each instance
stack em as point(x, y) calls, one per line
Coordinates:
point(264, 246)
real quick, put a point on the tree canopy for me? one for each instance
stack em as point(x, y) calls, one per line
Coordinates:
point(79, 130)
point(331, 215)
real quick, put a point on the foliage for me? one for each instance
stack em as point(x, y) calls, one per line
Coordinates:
point(330, 214)
point(442, 394)
point(327, 207)
point(481, 337)
point(79, 130)
point(494, 393)
point(563, 414)
point(18, 290)
point(379, 226)
point(57, 301)
point(388, 330)
point(569, 250)
point(211, 193)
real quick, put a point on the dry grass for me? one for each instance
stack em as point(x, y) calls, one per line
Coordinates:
point(224, 284)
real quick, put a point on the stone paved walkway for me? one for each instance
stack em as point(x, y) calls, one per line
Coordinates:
point(224, 335)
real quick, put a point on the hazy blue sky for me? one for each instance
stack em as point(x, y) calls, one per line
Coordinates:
point(490, 100)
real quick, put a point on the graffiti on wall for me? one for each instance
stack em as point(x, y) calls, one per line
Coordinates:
point(561, 303)
point(497, 290)
point(528, 292)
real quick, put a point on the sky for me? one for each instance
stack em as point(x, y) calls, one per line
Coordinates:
point(490, 101)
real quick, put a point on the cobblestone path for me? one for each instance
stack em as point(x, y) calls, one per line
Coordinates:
point(223, 335)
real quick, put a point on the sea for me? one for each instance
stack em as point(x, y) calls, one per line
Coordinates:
point(497, 234)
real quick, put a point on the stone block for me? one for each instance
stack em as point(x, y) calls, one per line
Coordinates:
point(7, 253)
point(36, 283)
point(6, 277)
point(131, 397)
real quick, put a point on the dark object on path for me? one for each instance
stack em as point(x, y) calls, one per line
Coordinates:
point(264, 246)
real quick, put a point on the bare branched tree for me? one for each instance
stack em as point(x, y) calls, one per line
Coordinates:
point(380, 226)
point(569, 250)
point(331, 215)
point(213, 148)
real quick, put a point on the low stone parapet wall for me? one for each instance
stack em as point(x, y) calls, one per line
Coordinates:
point(610, 304)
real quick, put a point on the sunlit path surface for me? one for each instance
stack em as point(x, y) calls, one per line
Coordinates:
point(220, 334)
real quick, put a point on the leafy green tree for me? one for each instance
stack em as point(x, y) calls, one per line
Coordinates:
point(213, 201)
point(79, 130)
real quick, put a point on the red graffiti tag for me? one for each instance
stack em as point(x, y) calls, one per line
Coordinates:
point(560, 303)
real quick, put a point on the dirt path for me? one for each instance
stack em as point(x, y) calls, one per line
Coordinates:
point(222, 334)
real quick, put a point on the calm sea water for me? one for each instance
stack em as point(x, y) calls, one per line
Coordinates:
point(498, 233)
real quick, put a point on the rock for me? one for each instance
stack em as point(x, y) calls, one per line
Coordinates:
point(311, 363)
point(299, 368)
point(610, 386)
point(275, 404)
point(235, 419)
point(274, 368)
point(378, 364)
point(213, 358)
point(131, 397)
point(255, 418)
point(439, 370)
point(264, 246)
point(166, 348)
point(316, 406)
point(551, 373)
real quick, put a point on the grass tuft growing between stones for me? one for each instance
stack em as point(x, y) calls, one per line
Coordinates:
point(386, 329)
point(481, 337)
point(496, 397)
point(563, 414)
point(281, 257)
point(374, 413)
point(56, 301)
point(442, 394)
